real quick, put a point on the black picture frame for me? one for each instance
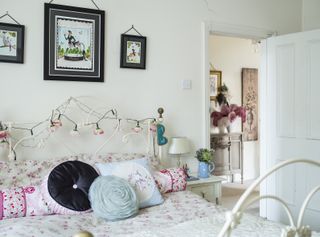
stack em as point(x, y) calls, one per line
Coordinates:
point(73, 43)
point(138, 60)
point(12, 43)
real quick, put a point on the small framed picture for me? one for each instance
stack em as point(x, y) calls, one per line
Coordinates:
point(215, 83)
point(73, 43)
point(133, 51)
point(11, 43)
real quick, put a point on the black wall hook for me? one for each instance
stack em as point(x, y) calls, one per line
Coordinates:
point(8, 15)
point(91, 1)
point(133, 28)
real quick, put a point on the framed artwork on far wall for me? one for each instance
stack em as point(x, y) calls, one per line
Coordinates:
point(250, 100)
point(133, 51)
point(11, 43)
point(215, 81)
point(73, 43)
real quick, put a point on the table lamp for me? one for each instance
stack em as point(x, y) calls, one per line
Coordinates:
point(179, 146)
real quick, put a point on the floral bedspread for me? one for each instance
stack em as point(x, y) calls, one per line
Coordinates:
point(182, 214)
point(177, 208)
point(251, 226)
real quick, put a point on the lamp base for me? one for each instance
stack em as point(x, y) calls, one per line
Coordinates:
point(179, 161)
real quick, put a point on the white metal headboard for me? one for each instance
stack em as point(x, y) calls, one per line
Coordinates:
point(233, 218)
point(144, 128)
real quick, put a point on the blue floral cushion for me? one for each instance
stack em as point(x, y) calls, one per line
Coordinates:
point(137, 173)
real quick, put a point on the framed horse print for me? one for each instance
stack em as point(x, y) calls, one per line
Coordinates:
point(73, 43)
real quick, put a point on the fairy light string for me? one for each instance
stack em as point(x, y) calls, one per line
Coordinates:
point(43, 130)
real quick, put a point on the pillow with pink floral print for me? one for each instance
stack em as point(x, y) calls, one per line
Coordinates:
point(171, 180)
point(138, 174)
point(22, 201)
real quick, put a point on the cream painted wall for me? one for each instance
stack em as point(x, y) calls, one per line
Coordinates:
point(230, 55)
point(310, 14)
point(173, 29)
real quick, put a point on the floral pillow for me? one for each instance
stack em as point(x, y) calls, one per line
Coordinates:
point(32, 172)
point(22, 201)
point(137, 173)
point(171, 180)
point(27, 172)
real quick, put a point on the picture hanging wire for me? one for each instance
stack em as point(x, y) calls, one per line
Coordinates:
point(7, 14)
point(133, 28)
point(90, 0)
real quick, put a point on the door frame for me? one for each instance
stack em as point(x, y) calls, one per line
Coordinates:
point(241, 31)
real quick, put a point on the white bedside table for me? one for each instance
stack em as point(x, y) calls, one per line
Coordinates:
point(209, 188)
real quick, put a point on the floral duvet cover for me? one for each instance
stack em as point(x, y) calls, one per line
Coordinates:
point(182, 214)
point(178, 207)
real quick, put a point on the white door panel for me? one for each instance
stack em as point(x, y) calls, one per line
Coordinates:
point(286, 180)
point(292, 122)
point(313, 85)
point(285, 89)
point(312, 180)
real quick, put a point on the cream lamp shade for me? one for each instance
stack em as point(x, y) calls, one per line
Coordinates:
point(179, 146)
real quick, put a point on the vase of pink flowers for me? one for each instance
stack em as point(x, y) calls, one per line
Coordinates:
point(228, 114)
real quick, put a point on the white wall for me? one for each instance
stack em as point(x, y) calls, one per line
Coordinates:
point(230, 55)
point(310, 14)
point(173, 29)
point(260, 13)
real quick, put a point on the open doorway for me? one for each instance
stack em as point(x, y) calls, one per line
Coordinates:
point(234, 134)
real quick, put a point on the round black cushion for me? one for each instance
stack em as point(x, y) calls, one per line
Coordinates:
point(69, 183)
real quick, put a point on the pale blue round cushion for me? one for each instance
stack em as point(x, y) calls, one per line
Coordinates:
point(112, 198)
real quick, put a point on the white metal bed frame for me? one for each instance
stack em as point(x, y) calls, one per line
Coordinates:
point(233, 218)
point(149, 137)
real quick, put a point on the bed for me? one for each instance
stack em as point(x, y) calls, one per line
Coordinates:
point(181, 214)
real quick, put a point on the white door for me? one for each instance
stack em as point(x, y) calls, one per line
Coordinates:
point(291, 96)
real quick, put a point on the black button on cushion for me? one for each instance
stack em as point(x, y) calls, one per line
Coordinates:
point(69, 183)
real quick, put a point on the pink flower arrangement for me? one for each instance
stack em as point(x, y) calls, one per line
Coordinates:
point(230, 113)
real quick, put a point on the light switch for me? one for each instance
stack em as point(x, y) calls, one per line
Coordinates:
point(186, 84)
